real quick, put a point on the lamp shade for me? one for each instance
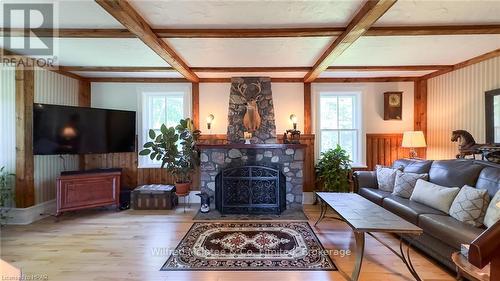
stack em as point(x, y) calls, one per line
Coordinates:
point(413, 139)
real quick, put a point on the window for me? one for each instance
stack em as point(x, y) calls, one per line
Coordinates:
point(338, 122)
point(165, 107)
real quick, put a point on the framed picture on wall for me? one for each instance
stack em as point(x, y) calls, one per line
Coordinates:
point(393, 105)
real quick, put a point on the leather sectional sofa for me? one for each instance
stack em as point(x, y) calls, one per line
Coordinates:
point(443, 234)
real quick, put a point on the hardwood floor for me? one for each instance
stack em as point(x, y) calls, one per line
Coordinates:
point(133, 245)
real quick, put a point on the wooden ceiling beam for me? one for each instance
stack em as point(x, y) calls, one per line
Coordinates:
point(118, 68)
point(228, 80)
point(433, 30)
point(389, 68)
point(255, 69)
point(122, 11)
point(463, 64)
point(371, 11)
point(260, 32)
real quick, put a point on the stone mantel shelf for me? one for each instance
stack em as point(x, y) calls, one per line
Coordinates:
point(251, 146)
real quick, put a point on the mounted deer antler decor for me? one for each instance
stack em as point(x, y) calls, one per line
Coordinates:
point(251, 110)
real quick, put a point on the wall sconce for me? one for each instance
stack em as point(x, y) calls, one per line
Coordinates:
point(294, 119)
point(210, 119)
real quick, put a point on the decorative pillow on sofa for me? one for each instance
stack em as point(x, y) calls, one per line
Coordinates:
point(434, 196)
point(405, 183)
point(470, 205)
point(386, 177)
point(493, 211)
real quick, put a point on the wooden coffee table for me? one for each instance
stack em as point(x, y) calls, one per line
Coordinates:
point(366, 217)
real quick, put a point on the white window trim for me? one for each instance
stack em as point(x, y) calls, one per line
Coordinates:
point(158, 90)
point(340, 90)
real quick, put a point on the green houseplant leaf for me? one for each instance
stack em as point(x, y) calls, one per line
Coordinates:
point(175, 148)
point(333, 170)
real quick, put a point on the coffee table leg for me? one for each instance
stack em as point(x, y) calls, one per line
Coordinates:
point(360, 251)
point(322, 212)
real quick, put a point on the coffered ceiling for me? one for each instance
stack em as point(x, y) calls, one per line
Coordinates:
point(283, 51)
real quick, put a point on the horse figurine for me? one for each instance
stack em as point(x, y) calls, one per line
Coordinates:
point(466, 144)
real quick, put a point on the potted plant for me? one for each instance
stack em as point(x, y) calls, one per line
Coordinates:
point(6, 194)
point(175, 148)
point(333, 170)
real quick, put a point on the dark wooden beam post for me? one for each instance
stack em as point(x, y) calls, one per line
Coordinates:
point(25, 95)
point(420, 110)
point(195, 104)
point(307, 108)
point(84, 100)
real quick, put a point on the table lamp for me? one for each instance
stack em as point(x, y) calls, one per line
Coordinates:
point(412, 140)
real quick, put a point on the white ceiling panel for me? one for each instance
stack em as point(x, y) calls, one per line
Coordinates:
point(247, 14)
point(250, 51)
point(251, 74)
point(417, 50)
point(440, 12)
point(104, 52)
point(168, 74)
point(72, 14)
point(364, 74)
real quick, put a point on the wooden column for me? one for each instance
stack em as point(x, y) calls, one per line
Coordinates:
point(307, 108)
point(84, 100)
point(25, 94)
point(195, 101)
point(420, 110)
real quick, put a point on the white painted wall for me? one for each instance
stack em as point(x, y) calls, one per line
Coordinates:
point(455, 101)
point(288, 98)
point(372, 99)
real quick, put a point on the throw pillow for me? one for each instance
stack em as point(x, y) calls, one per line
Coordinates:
point(470, 205)
point(405, 183)
point(434, 196)
point(385, 178)
point(493, 211)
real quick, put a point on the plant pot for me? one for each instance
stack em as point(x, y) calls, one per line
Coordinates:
point(182, 187)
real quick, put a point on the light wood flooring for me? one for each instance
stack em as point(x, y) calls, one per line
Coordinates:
point(109, 245)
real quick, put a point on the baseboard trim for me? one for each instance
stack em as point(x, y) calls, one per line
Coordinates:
point(23, 216)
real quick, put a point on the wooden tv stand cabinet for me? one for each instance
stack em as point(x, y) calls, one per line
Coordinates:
point(87, 189)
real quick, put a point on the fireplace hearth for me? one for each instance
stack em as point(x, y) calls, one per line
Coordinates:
point(250, 189)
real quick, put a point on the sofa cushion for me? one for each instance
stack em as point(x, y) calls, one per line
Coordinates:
point(453, 173)
point(434, 196)
point(493, 212)
point(448, 229)
point(407, 209)
point(413, 165)
point(373, 194)
point(405, 183)
point(470, 205)
point(489, 179)
point(386, 177)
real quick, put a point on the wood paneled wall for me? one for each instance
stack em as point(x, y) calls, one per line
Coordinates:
point(133, 176)
point(383, 149)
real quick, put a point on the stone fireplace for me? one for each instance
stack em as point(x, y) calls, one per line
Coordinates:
point(258, 178)
point(285, 191)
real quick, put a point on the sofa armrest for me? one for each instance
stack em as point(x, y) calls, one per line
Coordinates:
point(364, 179)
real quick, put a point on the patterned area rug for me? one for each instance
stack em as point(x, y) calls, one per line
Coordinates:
point(250, 246)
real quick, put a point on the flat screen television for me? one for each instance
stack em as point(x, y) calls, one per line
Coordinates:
point(81, 130)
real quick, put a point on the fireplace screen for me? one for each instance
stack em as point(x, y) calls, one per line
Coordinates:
point(250, 190)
